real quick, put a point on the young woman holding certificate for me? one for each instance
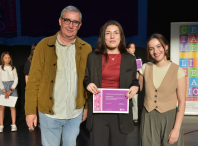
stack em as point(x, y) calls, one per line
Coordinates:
point(165, 85)
point(110, 66)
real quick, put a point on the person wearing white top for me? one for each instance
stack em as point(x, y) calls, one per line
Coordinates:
point(8, 83)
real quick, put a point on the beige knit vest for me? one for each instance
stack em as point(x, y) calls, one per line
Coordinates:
point(164, 98)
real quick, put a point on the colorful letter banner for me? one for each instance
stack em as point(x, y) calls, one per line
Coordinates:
point(184, 52)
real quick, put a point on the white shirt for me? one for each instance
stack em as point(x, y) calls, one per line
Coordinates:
point(7, 75)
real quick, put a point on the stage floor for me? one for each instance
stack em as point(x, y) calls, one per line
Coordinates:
point(24, 137)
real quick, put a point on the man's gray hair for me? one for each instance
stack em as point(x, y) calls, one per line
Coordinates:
point(72, 9)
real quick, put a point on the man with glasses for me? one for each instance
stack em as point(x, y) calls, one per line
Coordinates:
point(55, 83)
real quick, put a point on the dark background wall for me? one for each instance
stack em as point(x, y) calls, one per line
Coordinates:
point(160, 14)
point(24, 22)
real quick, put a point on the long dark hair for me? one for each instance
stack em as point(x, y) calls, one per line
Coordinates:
point(101, 47)
point(32, 52)
point(162, 41)
point(3, 63)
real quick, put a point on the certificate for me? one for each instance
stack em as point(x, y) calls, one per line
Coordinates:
point(139, 63)
point(11, 101)
point(111, 101)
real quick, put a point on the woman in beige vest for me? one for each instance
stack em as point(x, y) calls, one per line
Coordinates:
point(165, 85)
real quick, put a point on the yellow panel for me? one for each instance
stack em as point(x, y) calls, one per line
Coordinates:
point(188, 55)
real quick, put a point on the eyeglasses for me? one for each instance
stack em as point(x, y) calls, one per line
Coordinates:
point(68, 21)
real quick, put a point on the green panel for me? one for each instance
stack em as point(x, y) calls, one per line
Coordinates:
point(193, 72)
point(184, 29)
point(193, 47)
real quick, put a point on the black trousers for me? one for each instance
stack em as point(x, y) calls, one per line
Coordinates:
point(106, 131)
